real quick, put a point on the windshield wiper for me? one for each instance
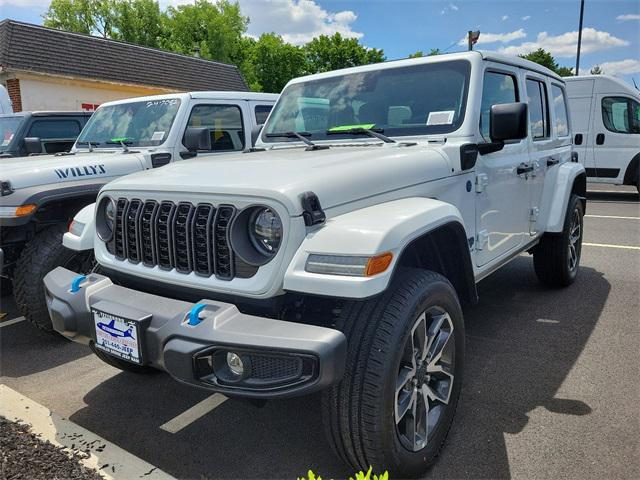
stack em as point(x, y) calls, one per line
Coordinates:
point(375, 133)
point(300, 136)
point(91, 144)
point(123, 142)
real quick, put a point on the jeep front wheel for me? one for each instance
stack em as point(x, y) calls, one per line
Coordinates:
point(41, 255)
point(396, 402)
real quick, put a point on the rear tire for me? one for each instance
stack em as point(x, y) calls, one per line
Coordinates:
point(369, 421)
point(556, 258)
point(122, 364)
point(41, 255)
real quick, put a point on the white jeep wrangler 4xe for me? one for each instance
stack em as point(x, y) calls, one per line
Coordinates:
point(335, 256)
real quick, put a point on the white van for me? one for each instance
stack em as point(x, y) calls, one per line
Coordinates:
point(605, 119)
point(5, 101)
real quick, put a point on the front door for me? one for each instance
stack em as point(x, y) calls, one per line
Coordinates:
point(502, 197)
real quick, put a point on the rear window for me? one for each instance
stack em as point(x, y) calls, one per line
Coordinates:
point(560, 109)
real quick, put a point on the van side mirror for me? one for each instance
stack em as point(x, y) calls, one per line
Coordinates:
point(255, 134)
point(33, 145)
point(197, 138)
point(508, 121)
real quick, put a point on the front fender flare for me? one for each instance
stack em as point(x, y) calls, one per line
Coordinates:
point(387, 227)
point(84, 241)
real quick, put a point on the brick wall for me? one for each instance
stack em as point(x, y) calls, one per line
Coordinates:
point(13, 87)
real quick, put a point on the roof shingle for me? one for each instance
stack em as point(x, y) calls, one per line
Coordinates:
point(38, 49)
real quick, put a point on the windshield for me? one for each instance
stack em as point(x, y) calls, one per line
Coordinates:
point(414, 100)
point(140, 124)
point(8, 128)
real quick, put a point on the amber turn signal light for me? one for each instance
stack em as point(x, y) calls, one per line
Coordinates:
point(378, 264)
point(23, 210)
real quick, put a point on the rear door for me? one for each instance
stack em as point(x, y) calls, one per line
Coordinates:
point(581, 102)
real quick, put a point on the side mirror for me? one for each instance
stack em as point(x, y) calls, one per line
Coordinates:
point(197, 138)
point(255, 134)
point(508, 121)
point(32, 145)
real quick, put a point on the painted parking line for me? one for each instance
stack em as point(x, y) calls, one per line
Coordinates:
point(606, 245)
point(111, 461)
point(196, 412)
point(616, 217)
point(12, 322)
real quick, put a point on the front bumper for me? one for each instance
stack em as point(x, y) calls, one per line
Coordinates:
point(283, 359)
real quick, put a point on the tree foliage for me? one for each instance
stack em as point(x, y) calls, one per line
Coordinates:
point(214, 30)
point(545, 59)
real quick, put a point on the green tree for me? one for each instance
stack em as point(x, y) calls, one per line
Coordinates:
point(274, 62)
point(418, 54)
point(214, 29)
point(326, 53)
point(434, 51)
point(82, 16)
point(138, 21)
point(545, 59)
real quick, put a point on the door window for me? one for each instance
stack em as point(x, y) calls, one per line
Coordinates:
point(498, 88)
point(621, 115)
point(50, 129)
point(560, 109)
point(262, 112)
point(538, 109)
point(224, 123)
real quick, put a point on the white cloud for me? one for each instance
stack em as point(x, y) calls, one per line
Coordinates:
point(486, 38)
point(297, 21)
point(453, 7)
point(629, 66)
point(505, 17)
point(565, 44)
point(628, 17)
point(525, 18)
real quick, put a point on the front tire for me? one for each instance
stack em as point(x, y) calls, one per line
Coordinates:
point(556, 259)
point(396, 402)
point(41, 255)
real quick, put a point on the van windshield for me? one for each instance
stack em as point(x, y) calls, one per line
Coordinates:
point(140, 124)
point(9, 125)
point(413, 100)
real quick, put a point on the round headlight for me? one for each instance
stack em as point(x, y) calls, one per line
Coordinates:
point(265, 231)
point(106, 219)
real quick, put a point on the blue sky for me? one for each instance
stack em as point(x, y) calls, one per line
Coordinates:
point(611, 37)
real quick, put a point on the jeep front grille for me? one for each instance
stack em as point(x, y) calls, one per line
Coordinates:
point(185, 237)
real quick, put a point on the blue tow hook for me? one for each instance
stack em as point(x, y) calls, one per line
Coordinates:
point(75, 284)
point(194, 314)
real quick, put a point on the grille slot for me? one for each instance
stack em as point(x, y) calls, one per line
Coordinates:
point(223, 255)
point(132, 230)
point(181, 237)
point(202, 245)
point(118, 234)
point(147, 233)
point(163, 228)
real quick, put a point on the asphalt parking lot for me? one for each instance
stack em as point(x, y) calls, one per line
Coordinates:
point(552, 387)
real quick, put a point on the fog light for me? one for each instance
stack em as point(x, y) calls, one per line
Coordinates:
point(235, 364)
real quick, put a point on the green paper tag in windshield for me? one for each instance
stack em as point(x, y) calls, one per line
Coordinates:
point(346, 128)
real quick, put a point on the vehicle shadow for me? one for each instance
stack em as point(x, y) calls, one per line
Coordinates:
point(522, 341)
point(610, 196)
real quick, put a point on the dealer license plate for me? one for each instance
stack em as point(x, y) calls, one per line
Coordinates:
point(117, 336)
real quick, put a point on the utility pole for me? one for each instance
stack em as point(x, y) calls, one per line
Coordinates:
point(579, 37)
point(472, 38)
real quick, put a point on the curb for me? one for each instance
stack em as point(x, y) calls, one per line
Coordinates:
point(109, 460)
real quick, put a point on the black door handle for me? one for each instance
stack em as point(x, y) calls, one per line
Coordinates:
point(578, 139)
point(524, 168)
point(600, 139)
point(552, 161)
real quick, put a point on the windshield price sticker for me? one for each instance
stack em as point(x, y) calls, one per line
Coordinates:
point(157, 136)
point(441, 118)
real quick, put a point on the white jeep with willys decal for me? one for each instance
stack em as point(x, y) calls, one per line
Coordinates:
point(41, 194)
point(336, 255)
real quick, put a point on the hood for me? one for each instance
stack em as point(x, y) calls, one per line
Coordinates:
point(338, 175)
point(33, 171)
